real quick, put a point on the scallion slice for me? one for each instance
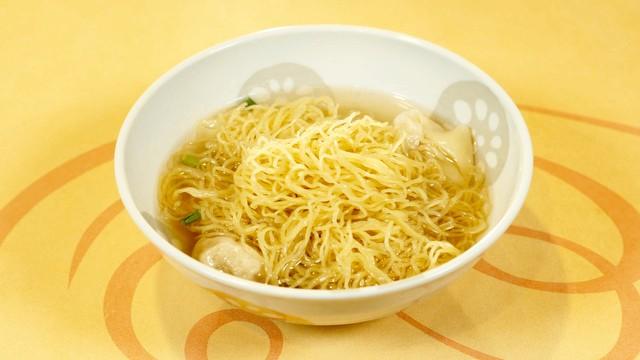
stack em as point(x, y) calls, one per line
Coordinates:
point(193, 217)
point(190, 160)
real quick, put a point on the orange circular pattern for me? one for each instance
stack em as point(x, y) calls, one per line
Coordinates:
point(195, 347)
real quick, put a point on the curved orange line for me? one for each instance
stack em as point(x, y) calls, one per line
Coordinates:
point(625, 217)
point(196, 344)
point(627, 346)
point(90, 234)
point(618, 277)
point(627, 129)
point(443, 339)
point(589, 286)
point(118, 299)
point(593, 257)
point(18, 207)
point(593, 285)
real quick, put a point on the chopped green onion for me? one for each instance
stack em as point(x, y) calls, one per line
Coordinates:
point(249, 101)
point(190, 160)
point(193, 217)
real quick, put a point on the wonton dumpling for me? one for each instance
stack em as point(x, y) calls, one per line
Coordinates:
point(457, 142)
point(226, 254)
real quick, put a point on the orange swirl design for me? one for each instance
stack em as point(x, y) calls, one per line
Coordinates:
point(121, 289)
point(195, 347)
point(619, 278)
point(124, 281)
point(118, 299)
point(22, 203)
point(92, 232)
point(582, 118)
point(443, 339)
point(624, 216)
point(588, 286)
point(117, 313)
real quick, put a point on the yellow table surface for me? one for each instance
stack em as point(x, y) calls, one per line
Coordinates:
point(78, 280)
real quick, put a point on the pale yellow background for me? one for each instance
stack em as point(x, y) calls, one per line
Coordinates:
point(70, 71)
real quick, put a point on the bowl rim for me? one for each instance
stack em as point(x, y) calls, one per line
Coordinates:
point(468, 257)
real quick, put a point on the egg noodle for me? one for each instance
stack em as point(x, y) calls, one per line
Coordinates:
point(327, 201)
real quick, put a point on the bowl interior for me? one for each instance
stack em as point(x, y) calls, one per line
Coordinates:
point(304, 60)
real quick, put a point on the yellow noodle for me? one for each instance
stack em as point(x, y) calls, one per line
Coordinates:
point(327, 202)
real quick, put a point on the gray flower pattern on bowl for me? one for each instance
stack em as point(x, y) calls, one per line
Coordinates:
point(286, 80)
point(472, 103)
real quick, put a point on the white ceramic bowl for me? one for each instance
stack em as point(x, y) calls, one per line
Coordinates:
point(298, 60)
